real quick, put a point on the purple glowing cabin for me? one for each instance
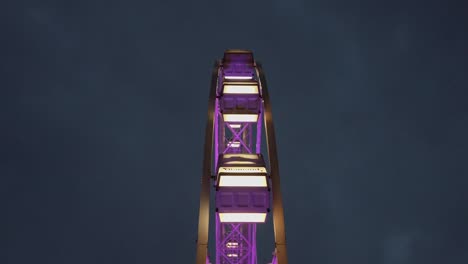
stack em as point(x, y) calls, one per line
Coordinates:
point(242, 192)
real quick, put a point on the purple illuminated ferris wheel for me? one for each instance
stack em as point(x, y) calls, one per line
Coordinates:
point(246, 186)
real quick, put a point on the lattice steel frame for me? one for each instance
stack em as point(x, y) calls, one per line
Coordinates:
point(235, 243)
point(215, 143)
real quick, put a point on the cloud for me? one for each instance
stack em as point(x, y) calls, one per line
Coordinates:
point(397, 248)
point(289, 8)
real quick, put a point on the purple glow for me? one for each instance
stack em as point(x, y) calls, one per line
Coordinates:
point(235, 114)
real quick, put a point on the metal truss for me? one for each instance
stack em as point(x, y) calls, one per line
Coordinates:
point(236, 242)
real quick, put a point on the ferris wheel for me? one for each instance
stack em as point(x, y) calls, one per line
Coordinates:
point(245, 181)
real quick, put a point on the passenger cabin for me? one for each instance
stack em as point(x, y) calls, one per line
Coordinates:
point(242, 188)
point(240, 95)
point(238, 64)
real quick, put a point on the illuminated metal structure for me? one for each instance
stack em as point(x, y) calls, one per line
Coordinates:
point(246, 187)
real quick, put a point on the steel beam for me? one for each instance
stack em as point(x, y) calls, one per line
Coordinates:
point(204, 209)
point(278, 211)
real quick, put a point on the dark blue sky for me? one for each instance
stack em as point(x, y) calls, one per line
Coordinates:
point(103, 107)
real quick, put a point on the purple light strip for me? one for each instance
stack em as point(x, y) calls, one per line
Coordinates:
point(216, 128)
point(258, 149)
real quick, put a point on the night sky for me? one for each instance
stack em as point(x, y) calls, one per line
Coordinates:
point(103, 109)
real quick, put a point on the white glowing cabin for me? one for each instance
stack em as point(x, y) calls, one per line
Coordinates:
point(242, 188)
point(240, 99)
